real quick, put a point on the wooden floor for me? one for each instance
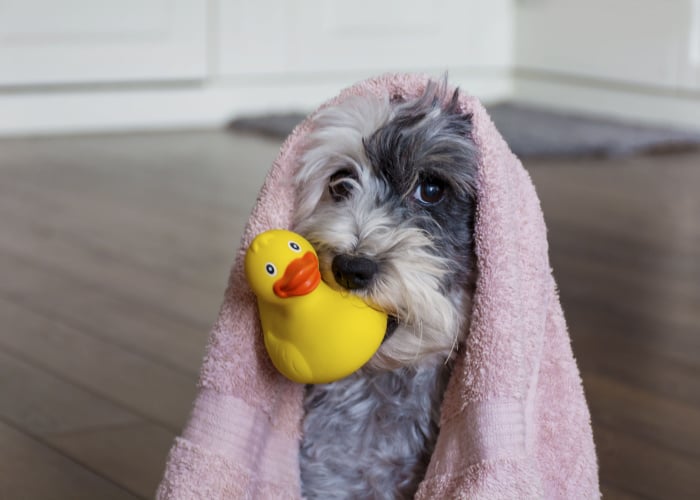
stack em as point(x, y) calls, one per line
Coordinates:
point(114, 252)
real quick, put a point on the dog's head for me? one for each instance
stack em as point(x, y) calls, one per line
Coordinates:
point(386, 194)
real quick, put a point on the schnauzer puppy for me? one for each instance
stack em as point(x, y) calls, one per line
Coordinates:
point(386, 194)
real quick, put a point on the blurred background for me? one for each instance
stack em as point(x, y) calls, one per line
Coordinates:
point(134, 136)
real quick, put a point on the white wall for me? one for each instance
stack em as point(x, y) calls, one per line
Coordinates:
point(634, 59)
point(76, 66)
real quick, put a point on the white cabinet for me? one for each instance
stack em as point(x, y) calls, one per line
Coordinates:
point(630, 59)
point(85, 41)
point(690, 69)
point(629, 41)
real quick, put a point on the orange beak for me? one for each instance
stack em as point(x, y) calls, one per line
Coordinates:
point(300, 278)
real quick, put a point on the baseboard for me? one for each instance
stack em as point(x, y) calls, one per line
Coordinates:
point(190, 104)
point(656, 106)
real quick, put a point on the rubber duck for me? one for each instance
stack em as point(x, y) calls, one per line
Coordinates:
point(313, 333)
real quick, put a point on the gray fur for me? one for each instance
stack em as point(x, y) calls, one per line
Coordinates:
point(370, 434)
point(362, 190)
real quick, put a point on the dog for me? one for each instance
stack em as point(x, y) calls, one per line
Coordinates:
point(386, 193)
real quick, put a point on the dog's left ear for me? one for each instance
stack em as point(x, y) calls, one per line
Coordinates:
point(397, 98)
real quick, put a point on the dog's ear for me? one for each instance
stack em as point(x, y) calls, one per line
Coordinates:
point(454, 107)
point(397, 98)
point(468, 118)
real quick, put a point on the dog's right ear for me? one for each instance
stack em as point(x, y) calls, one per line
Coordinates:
point(454, 107)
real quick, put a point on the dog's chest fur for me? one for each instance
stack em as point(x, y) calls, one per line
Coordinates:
point(371, 435)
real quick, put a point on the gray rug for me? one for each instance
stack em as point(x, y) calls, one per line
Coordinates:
point(534, 132)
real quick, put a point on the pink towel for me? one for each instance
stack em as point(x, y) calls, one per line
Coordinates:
point(514, 422)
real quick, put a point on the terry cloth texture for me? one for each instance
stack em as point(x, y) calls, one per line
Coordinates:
point(514, 424)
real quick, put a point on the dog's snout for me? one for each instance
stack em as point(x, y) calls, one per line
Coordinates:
point(353, 272)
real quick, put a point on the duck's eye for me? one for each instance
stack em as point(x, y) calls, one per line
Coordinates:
point(294, 246)
point(340, 184)
point(270, 269)
point(430, 191)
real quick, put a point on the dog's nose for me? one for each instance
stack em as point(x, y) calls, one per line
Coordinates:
point(353, 272)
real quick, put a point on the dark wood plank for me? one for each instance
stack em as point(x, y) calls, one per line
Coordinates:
point(623, 408)
point(619, 355)
point(119, 319)
point(41, 404)
point(634, 465)
point(168, 245)
point(33, 471)
point(106, 271)
point(612, 493)
point(132, 455)
point(86, 428)
point(156, 392)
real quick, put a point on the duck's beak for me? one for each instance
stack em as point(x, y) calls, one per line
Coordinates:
point(300, 278)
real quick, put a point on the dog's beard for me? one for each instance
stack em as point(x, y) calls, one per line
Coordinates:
point(423, 262)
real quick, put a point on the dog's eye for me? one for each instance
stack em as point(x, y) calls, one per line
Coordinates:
point(340, 184)
point(430, 191)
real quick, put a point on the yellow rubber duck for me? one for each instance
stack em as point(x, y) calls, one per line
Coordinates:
point(313, 333)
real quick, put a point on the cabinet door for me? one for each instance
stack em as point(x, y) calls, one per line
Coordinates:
point(629, 41)
point(322, 37)
point(690, 66)
point(45, 42)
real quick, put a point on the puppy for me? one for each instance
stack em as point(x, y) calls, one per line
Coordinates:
point(386, 194)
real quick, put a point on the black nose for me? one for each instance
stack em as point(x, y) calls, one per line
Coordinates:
point(353, 272)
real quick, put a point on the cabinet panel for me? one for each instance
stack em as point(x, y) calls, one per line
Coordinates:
point(306, 36)
point(80, 41)
point(690, 76)
point(635, 41)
